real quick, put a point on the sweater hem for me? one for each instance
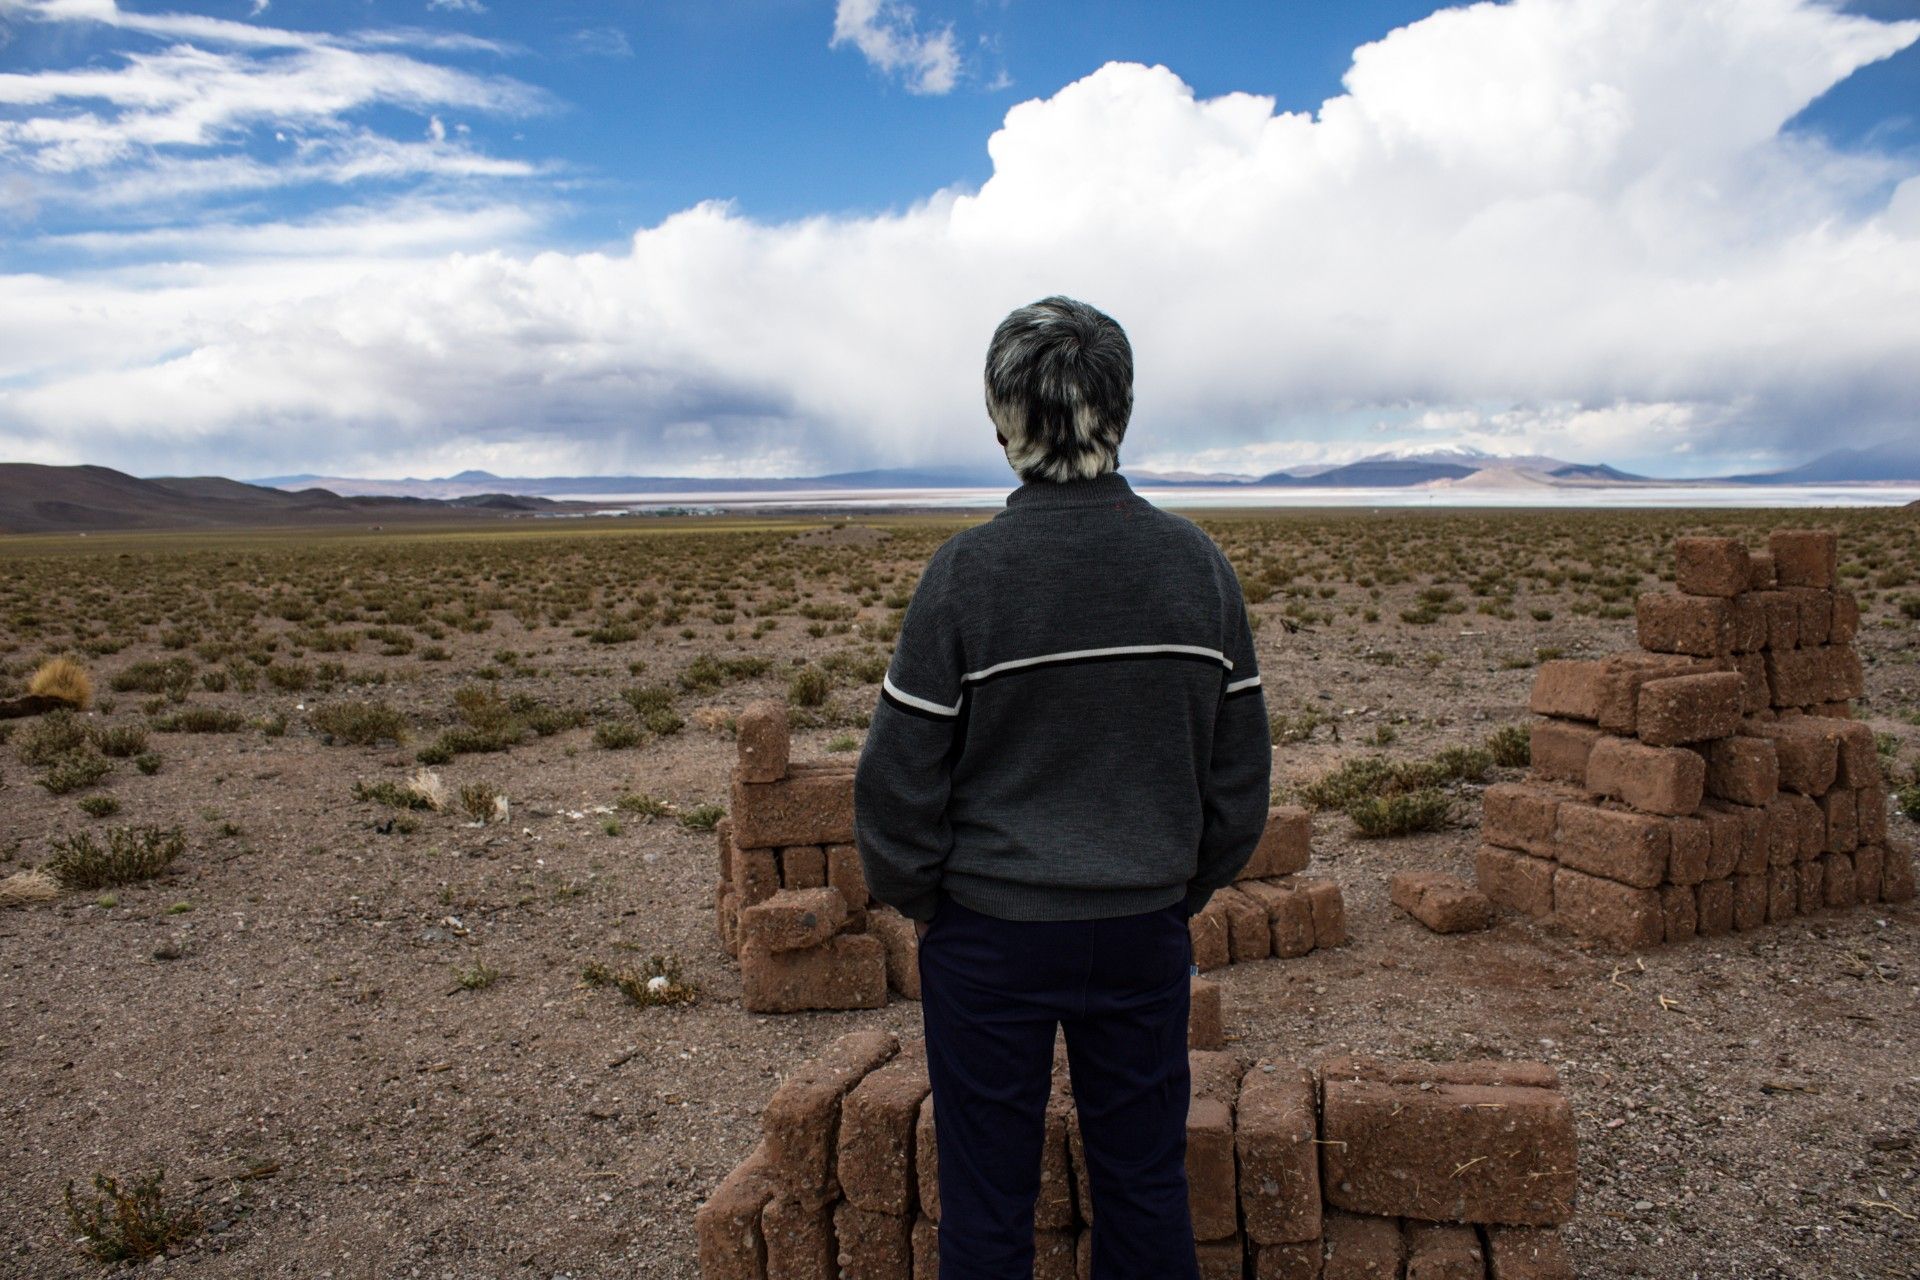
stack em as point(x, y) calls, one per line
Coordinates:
point(1007, 900)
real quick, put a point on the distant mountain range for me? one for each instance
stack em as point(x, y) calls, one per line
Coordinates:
point(41, 499)
point(1441, 468)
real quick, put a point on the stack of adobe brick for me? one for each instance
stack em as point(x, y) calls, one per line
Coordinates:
point(1269, 910)
point(1367, 1169)
point(1715, 780)
point(791, 901)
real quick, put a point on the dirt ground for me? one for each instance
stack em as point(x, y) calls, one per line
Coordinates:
point(281, 1021)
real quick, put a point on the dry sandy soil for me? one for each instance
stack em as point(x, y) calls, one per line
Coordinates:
point(279, 1021)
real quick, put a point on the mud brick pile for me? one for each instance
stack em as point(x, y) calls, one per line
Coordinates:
point(1712, 781)
point(791, 900)
point(1364, 1169)
point(1270, 910)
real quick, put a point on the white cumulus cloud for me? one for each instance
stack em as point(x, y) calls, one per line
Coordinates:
point(1534, 227)
point(887, 34)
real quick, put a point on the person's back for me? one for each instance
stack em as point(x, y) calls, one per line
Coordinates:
point(1070, 754)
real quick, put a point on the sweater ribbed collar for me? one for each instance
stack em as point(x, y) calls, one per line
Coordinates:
point(1097, 491)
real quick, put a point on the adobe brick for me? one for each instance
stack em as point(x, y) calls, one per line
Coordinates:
point(1749, 902)
point(1569, 688)
point(1749, 626)
point(1210, 1180)
point(1670, 780)
point(1763, 578)
point(1756, 694)
point(1678, 912)
point(1871, 824)
point(1363, 1248)
point(926, 1249)
point(1444, 1251)
point(1620, 845)
point(876, 1138)
point(764, 741)
point(1082, 1180)
point(812, 804)
point(847, 971)
point(1815, 607)
point(1520, 815)
point(1783, 831)
point(799, 1234)
point(1742, 769)
point(1804, 557)
point(1869, 864)
point(1669, 622)
point(1277, 1122)
point(1520, 1073)
point(1441, 902)
point(1205, 1023)
point(1690, 850)
point(926, 1160)
point(1559, 749)
point(1808, 753)
point(1842, 808)
point(1711, 566)
point(1527, 1253)
point(756, 876)
point(849, 878)
point(1725, 832)
point(1286, 844)
point(727, 1226)
point(1798, 677)
point(1518, 881)
point(1813, 886)
point(1783, 893)
point(1248, 936)
point(1846, 618)
point(1606, 910)
point(1329, 909)
point(1782, 614)
point(803, 866)
point(1054, 1254)
point(1836, 880)
point(1622, 675)
point(873, 1246)
point(793, 918)
point(1843, 678)
point(1444, 1151)
point(1810, 826)
point(1220, 1259)
point(723, 847)
point(1896, 872)
point(1859, 754)
point(1208, 930)
point(1287, 1261)
point(1289, 915)
point(902, 946)
point(1053, 1208)
point(801, 1121)
point(727, 913)
point(1690, 708)
point(1713, 908)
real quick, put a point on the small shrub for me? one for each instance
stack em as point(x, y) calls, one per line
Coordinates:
point(201, 720)
point(616, 735)
point(476, 978)
point(130, 1224)
point(121, 741)
point(153, 676)
point(57, 734)
point(75, 771)
point(842, 742)
point(809, 687)
point(395, 795)
point(99, 806)
point(62, 678)
point(657, 982)
point(361, 723)
point(1510, 746)
point(483, 803)
point(147, 762)
point(1400, 814)
point(130, 854)
point(645, 806)
point(664, 722)
point(702, 817)
point(1908, 799)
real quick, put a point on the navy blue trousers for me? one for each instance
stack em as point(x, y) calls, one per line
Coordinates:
point(992, 993)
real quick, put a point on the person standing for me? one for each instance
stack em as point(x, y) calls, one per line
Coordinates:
point(1070, 754)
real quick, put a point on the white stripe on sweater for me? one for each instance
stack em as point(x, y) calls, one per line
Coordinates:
point(1234, 686)
point(886, 682)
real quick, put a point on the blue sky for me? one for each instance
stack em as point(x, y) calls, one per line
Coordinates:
point(214, 217)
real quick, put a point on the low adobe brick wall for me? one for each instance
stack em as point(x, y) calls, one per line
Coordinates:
point(791, 902)
point(1363, 1168)
point(1269, 909)
point(1714, 780)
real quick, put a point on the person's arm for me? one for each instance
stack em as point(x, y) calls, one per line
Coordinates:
point(901, 785)
point(1239, 775)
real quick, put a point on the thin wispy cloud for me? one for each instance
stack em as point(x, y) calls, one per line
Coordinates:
point(888, 35)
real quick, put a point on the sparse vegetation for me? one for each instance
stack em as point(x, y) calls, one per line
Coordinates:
point(131, 1223)
point(128, 855)
point(362, 724)
point(656, 982)
point(62, 678)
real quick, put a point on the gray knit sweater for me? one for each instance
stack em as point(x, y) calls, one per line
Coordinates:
point(1072, 726)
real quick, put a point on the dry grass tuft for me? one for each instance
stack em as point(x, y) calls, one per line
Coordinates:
point(25, 887)
point(65, 679)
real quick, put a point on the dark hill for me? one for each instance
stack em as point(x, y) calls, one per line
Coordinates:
point(43, 499)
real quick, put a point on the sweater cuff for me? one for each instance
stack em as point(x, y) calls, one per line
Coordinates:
point(921, 907)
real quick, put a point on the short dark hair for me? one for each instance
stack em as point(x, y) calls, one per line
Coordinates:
point(1060, 389)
